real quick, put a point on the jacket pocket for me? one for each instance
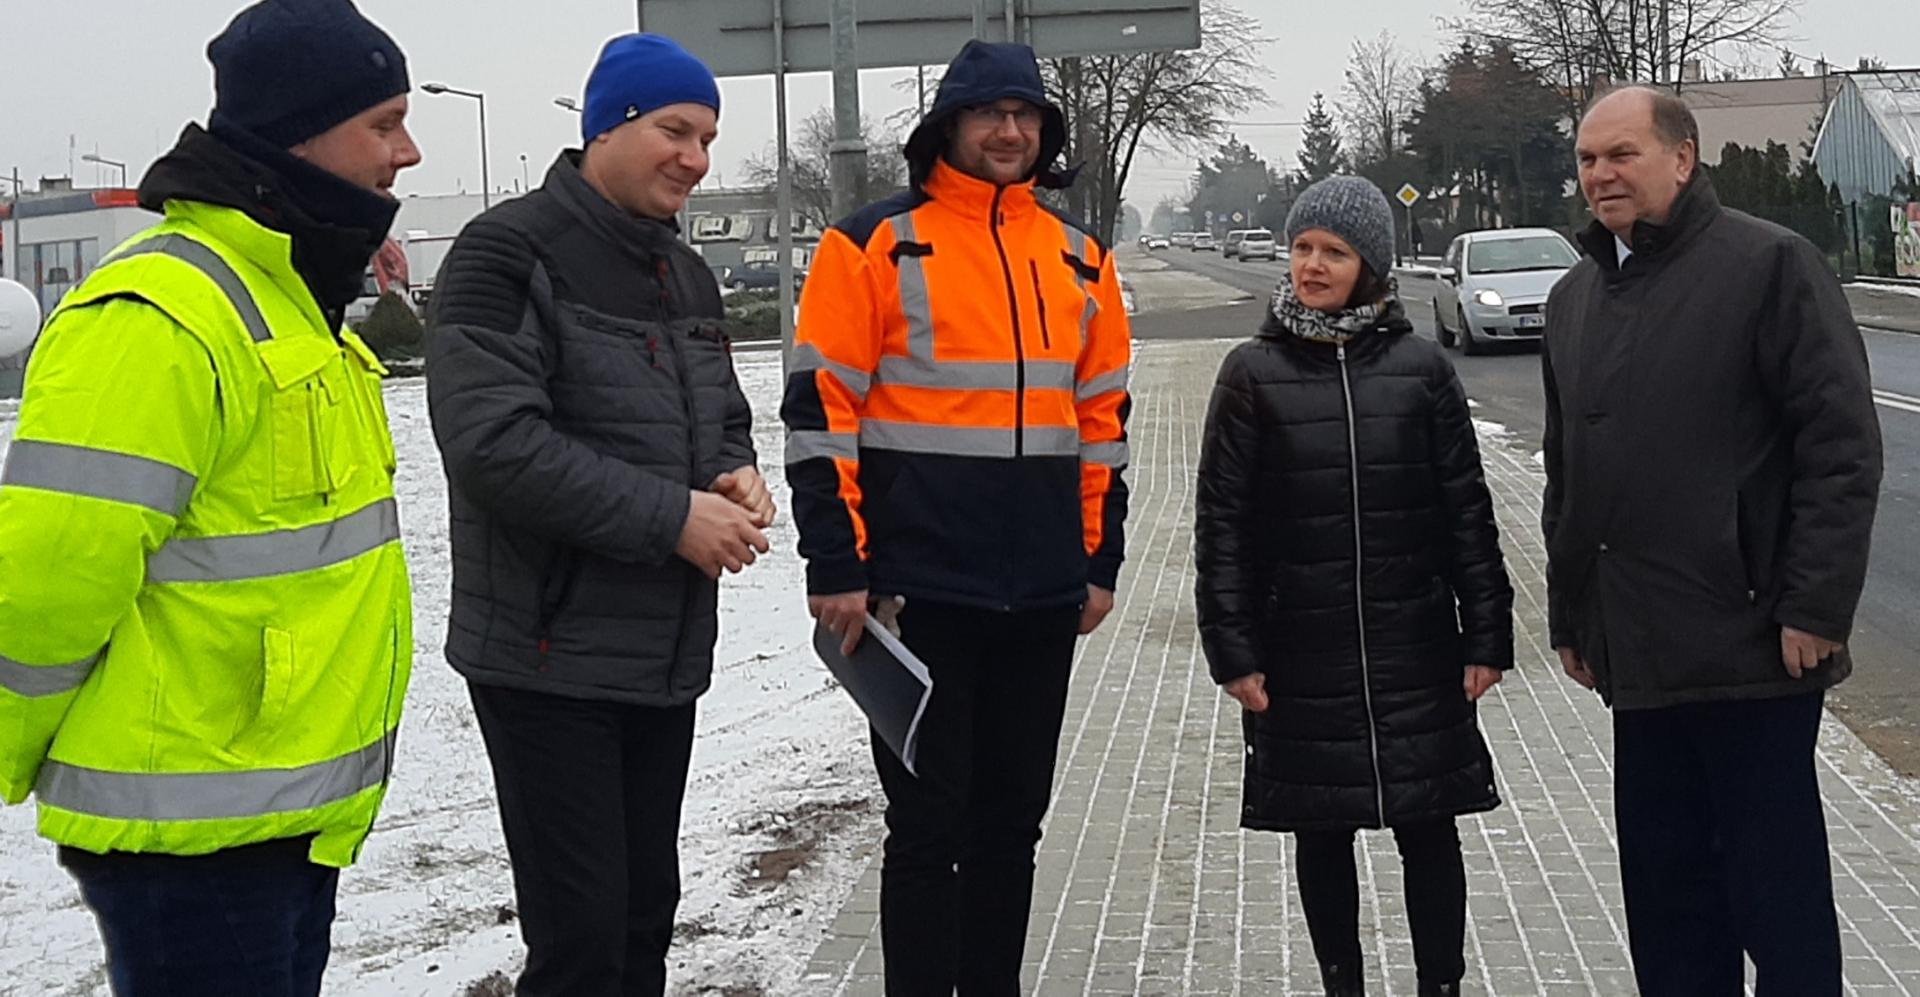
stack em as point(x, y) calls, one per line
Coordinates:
point(276, 685)
point(1040, 305)
point(315, 445)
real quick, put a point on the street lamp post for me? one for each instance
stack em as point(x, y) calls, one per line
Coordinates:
point(89, 157)
point(486, 178)
point(10, 259)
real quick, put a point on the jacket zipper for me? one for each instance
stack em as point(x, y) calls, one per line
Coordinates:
point(1040, 299)
point(1359, 589)
point(674, 356)
point(1019, 348)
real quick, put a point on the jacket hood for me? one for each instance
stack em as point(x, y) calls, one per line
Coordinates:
point(335, 226)
point(982, 73)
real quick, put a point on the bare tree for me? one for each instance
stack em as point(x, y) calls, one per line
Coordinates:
point(1584, 45)
point(809, 155)
point(1117, 104)
point(1382, 88)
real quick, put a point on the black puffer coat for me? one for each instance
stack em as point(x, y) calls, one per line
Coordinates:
point(581, 387)
point(1362, 610)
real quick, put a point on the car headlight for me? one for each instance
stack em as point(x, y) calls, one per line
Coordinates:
point(1488, 297)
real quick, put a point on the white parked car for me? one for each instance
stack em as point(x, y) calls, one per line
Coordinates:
point(1494, 284)
point(1250, 244)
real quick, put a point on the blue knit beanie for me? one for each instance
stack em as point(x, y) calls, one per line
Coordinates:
point(639, 74)
point(1353, 209)
point(287, 70)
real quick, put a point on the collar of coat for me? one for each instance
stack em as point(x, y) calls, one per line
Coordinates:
point(974, 197)
point(1693, 210)
point(643, 239)
point(1359, 329)
point(334, 226)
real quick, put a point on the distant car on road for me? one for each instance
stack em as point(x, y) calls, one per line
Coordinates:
point(758, 276)
point(1249, 244)
point(1158, 242)
point(1203, 242)
point(1494, 284)
point(1182, 239)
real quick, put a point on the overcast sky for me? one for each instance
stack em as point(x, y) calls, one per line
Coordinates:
point(122, 77)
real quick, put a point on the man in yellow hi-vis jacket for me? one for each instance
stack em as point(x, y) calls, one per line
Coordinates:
point(205, 631)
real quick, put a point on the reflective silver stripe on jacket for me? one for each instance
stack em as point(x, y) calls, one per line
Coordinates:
point(282, 552)
point(969, 441)
point(807, 357)
point(806, 444)
point(985, 375)
point(101, 474)
point(211, 795)
point(34, 681)
point(207, 262)
point(1112, 455)
point(916, 302)
point(1100, 384)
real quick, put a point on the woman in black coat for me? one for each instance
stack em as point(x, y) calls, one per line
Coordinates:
point(1352, 594)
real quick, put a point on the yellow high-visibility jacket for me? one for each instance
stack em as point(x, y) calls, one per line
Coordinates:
point(205, 622)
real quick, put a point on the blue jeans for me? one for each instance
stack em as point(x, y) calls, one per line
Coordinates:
point(254, 921)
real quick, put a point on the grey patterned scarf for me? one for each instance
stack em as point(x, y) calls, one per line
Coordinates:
point(1316, 326)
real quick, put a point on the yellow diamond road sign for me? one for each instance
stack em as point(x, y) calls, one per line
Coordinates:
point(1408, 195)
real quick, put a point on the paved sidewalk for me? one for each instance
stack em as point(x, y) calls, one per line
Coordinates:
point(1148, 886)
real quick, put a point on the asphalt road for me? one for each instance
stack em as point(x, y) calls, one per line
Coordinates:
point(1882, 700)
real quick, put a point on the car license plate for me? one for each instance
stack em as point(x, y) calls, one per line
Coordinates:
point(1533, 321)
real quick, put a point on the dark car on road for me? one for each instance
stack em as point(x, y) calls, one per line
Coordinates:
point(758, 276)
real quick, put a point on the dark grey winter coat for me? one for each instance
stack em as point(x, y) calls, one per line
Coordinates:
point(1713, 458)
point(1362, 608)
point(580, 387)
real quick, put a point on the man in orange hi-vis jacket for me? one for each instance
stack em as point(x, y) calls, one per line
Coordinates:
point(956, 420)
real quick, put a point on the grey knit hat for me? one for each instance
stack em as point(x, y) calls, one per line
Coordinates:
point(1353, 209)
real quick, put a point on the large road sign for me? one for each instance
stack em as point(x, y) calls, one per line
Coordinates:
point(735, 37)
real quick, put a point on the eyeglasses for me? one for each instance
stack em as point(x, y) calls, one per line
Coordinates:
point(1026, 117)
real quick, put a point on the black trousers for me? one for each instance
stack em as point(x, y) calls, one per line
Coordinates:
point(1436, 885)
point(1723, 848)
point(956, 878)
point(255, 920)
point(590, 797)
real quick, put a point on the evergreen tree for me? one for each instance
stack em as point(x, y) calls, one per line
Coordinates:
point(1320, 153)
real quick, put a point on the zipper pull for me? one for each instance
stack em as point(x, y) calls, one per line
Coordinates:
point(1340, 351)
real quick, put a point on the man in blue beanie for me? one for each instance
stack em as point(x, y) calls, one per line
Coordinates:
point(203, 642)
point(600, 465)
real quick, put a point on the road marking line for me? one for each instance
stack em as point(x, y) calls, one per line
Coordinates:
point(1897, 396)
point(1894, 403)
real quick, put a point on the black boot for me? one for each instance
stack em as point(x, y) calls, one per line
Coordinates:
point(1428, 988)
point(1342, 980)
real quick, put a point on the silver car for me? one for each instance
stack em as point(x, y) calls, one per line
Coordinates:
point(1494, 284)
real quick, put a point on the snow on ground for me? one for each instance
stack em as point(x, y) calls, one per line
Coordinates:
point(780, 810)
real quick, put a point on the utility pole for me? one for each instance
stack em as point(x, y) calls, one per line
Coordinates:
point(848, 154)
point(783, 212)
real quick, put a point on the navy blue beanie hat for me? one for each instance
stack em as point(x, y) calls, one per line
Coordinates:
point(639, 74)
point(287, 70)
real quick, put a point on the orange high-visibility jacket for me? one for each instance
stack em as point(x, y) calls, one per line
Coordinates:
point(957, 403)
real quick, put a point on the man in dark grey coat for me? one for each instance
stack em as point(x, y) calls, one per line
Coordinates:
point(1713, 463)
point(601, 470)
